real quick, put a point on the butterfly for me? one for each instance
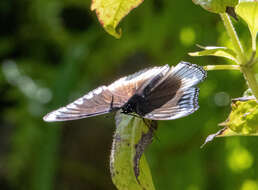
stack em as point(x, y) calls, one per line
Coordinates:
point(157, 93)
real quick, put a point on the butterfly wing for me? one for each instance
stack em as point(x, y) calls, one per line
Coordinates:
point(177, 92)
point(96, 102)
point(127, 86)
point(105, 99)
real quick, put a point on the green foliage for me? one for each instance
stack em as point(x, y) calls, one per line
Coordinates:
point(216, 51)
point(243, 118)
point(242, 121)
point(248, 11)
point(216, 6)
point(111, 12)
point(129, 168)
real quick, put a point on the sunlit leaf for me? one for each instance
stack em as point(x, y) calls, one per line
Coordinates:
point(216, 6)
point(216, 51)
point(111, 12)
point(242, 121)
point(128, 166)
point(248, 11)
point(243, 118)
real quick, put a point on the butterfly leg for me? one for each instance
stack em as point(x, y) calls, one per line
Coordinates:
point(111, 103)
point(131, 114)
point(152, 125)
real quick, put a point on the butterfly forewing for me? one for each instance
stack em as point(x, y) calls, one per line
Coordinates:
point(128, 86)
point(94, 103)
point(105, 98)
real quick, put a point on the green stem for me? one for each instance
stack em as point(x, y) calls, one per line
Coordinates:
point(251, 79)
point(254, 43)
point(252, 59)
point(233, 35)
point(246, 66)
point(221, 67)
point(255, 61)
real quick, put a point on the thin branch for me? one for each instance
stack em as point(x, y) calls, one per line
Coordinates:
point(221, 67)
point(233, 35)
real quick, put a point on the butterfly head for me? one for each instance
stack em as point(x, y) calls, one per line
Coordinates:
point(127, 108)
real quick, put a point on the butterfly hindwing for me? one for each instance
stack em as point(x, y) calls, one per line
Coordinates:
point(180, 87)
point(156, 96)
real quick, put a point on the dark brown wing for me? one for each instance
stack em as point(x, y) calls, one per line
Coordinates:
point(105, 98)
point(177, 92)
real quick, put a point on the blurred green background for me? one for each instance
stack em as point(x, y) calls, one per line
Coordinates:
point(52, 52)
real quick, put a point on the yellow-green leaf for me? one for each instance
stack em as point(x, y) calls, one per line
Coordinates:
point(216, 51)
point(243, 118)
point(216, 6)
point(248, 11)
point(242, 121)
point(128, 166)
point(111, 12)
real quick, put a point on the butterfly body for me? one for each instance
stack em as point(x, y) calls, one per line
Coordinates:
point(159, 93)
point(135, 105)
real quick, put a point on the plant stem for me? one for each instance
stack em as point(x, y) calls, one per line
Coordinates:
point(221, 67)
point(251, 79)
point(246, 66)
point(233, 35)
point(252, 59)
point(254, 43)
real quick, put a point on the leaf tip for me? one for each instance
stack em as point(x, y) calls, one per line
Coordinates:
point(117, 33)
point(212, 136)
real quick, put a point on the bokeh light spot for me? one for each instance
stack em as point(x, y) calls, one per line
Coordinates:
point(221, 99)
point(10, 71)
point(193, 187)
point(187, 36)
point(44, 95)
point(240, 159)
point(27, 86)
point(249, 185)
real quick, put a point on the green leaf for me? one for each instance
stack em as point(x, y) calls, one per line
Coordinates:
point(242, 121)
point(111, 12)
point(128, 166)
point(216, 51)
point(248, 11)
point(243, 118)
point(216, 6)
